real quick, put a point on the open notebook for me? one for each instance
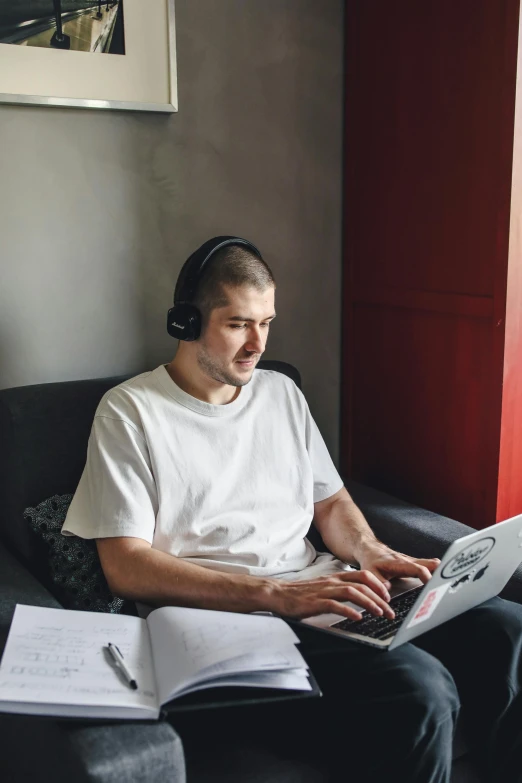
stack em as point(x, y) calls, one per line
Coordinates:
point(56, 662)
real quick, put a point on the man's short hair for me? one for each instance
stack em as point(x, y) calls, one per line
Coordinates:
point(233, 266)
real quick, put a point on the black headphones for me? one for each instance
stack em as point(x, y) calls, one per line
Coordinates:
point(184, 319)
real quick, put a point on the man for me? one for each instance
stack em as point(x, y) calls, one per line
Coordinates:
point(202, 479)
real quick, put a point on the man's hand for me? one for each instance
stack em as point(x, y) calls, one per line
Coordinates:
point(385, 563)
point(324, 595)
point(349, 537)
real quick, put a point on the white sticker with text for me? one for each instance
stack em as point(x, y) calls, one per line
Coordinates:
point(427, 607)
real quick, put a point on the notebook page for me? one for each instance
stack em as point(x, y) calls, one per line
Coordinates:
point(292, 680)
point(186, 641)
point(265, 660)
point(56, 656)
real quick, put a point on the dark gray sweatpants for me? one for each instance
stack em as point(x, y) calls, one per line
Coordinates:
point(383, 715)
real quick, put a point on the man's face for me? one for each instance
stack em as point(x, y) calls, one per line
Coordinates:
point(234, 333)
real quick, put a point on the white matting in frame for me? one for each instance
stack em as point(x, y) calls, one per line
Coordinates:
point(143, 79)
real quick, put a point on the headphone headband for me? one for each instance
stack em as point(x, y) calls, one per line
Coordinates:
point(193, 267)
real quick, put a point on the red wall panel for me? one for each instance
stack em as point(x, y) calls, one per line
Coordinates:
point(421, 414)
point(430, 101)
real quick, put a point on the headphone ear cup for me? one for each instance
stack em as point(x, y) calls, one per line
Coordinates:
point(184, 322)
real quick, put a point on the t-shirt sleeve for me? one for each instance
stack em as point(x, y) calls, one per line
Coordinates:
point(327, 480)
point(117, 494)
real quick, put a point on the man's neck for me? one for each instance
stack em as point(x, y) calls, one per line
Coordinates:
point(218, 397)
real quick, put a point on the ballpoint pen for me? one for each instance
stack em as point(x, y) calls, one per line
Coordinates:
point(118, 660)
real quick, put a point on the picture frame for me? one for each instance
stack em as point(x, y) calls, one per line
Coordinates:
point(143, 78)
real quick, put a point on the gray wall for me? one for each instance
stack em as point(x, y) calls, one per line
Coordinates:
point(99, 209)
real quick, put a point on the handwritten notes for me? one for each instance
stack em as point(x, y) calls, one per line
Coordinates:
point(63, 653)
point(56, 661)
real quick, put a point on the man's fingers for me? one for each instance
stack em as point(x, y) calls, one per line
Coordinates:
point(330, 605)
point(360, 595)
point(409, 568)
point(375, 601)
point(423, 573)
point(430, 563)
point(317, 606)
point(368, 578)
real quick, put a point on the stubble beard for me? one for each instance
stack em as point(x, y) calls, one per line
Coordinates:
point(218, 373)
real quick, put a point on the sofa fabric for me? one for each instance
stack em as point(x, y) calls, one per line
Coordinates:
point(138, 751)
point(44, 432)
point(62, 752)
point(18, 586)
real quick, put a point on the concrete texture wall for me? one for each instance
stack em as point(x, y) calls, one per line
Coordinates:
point(99, 209)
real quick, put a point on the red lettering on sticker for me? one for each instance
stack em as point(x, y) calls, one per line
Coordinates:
point(424, 609)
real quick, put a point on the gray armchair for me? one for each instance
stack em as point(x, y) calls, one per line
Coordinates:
point(43, 435)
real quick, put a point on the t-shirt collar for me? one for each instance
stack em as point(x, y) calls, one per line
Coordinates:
point(199, 406)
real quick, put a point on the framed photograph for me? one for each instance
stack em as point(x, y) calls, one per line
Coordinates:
point(116, 54)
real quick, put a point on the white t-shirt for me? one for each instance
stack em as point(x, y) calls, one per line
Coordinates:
point(229, 487)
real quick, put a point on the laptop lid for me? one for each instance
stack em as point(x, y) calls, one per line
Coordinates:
point(473, 569)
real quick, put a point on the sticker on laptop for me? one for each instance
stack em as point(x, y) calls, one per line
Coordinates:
point(461, 581)
point(480, 572)
point(468, 558)
point(428, 606)
point(468, 578)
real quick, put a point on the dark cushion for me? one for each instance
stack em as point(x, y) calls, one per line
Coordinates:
point(74, 566)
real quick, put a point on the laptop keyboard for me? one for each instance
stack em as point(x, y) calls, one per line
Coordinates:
point(381, 627)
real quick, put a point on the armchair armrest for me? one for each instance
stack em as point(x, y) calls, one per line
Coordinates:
point(18, 586)
point(134, 752)
point(137, 752)
point(416, 531)
point(403, 526)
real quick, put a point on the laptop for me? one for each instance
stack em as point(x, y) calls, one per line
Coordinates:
point(473, 569)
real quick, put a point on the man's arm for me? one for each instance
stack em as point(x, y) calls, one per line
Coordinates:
point(348, 536)
point(136, 571)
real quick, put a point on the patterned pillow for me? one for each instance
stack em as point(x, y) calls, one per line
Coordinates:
point(74, 564)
